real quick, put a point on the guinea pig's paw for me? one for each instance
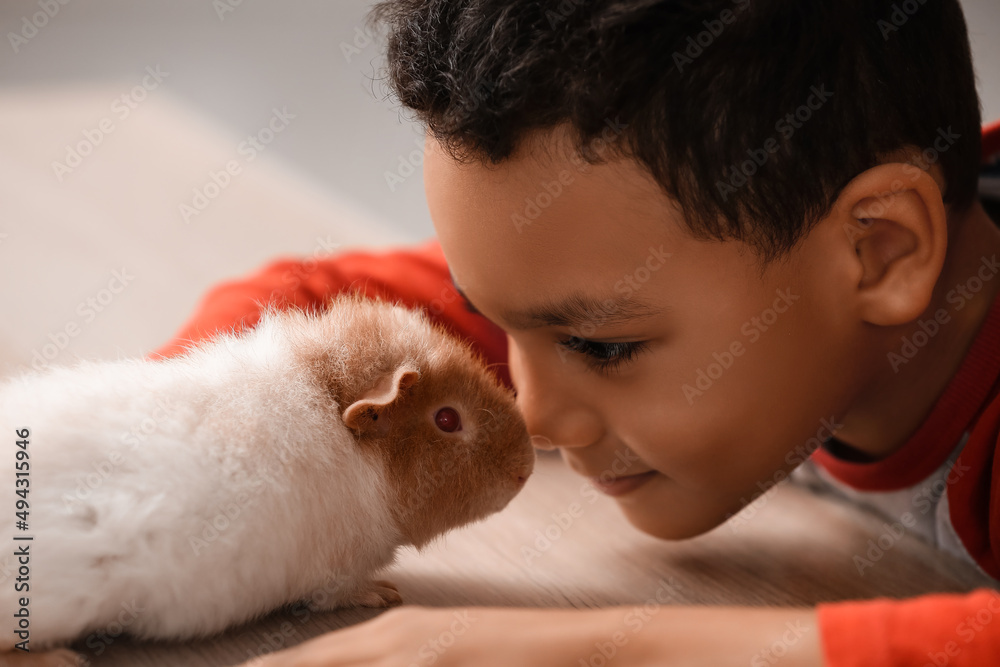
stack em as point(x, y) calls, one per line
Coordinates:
point(57, 658)
point(378, 594)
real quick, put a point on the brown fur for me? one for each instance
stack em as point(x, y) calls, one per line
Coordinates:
point(439, 480)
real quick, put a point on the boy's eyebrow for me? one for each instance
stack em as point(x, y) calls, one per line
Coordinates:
point(574, 311)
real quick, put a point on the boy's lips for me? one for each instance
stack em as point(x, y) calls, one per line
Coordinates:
point(617, 486)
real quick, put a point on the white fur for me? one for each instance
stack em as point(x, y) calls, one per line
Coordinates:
point(232, 434)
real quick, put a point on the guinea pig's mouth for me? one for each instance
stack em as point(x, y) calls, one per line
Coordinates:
point(523, 473)
point(526, 468)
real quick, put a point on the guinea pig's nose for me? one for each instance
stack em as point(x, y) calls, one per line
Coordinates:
point(522, 475)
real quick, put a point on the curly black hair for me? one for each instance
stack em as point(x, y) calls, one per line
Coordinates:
point(752, 114)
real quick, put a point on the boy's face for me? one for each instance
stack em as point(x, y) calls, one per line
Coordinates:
point(738, 371)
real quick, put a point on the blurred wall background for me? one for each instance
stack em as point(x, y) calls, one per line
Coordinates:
point(235, 59)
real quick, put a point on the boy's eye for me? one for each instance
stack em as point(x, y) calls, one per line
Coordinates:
point(605, 357)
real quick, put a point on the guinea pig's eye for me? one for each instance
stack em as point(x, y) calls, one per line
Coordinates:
point(447, 420)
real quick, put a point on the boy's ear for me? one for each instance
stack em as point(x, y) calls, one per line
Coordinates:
point(366, 410)
point(897, 227)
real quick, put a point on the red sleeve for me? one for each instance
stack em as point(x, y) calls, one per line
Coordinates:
point(991, 141)
point(939, 629)
point(416, 277)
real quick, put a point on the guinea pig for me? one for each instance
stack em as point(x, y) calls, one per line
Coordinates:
point(178, 497)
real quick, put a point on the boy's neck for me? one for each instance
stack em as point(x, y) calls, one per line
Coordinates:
point(892, 406)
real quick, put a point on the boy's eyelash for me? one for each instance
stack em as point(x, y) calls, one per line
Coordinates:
point(604, 357)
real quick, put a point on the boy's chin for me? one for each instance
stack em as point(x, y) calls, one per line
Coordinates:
point(667, 524)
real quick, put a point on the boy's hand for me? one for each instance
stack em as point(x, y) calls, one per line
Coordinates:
point(634, 636)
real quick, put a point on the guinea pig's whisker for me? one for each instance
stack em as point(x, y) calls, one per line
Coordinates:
point(490, 413)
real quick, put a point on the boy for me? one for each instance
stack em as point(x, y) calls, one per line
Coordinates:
point(696, 232)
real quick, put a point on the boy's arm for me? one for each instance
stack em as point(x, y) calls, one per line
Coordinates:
point(953, 630)
point(416, 277)
point(940, 629)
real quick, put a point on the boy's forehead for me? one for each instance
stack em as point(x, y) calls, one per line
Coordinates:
point(545, 201)
point(543, 232)
point(545, 175)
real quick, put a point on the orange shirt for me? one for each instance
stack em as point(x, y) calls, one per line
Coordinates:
point(961, 435)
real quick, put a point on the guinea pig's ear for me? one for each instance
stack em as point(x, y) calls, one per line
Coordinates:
point(371, 403)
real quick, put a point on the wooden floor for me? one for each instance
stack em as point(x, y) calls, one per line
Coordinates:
point(797, 549)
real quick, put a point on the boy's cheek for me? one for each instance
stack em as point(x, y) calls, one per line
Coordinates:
point(713, 455)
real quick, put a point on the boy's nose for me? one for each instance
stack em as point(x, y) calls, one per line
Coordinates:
point(554, 417)
point(554, 424)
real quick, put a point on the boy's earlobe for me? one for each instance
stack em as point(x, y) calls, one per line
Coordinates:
point(897, 226)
